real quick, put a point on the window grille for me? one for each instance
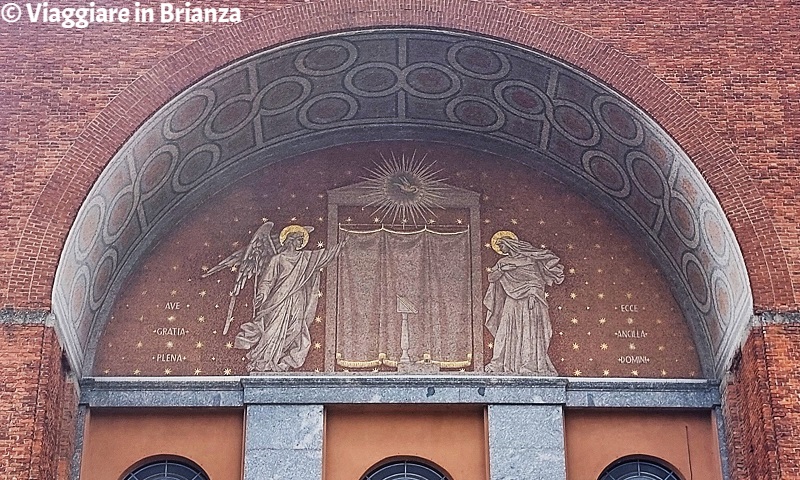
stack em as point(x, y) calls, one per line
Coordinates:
point(166, 470)
point(404, 470)
point(638, 470)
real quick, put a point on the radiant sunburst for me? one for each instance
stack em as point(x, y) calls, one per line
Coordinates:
point(405, 190)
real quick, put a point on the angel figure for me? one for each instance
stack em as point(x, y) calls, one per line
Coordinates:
point(286, 291)
point(518, 315)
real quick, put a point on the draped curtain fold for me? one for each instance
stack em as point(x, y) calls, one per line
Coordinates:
point(430, 269)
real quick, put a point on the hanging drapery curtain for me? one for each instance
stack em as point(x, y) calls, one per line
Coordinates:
point(431, 270)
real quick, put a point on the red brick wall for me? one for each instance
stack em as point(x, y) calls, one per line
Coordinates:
point(718, 75)
point(783, 360)
point(36, 405)
point(761, 405)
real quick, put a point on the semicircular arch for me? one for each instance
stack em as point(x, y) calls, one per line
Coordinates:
point(710, 159)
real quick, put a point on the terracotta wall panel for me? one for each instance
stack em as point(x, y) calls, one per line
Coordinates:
point(686, 441)
point(357, 438)
point(116, 440)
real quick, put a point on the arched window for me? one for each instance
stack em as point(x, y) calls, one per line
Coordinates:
point(166, 470)
point(404, 470)
point(638, 469)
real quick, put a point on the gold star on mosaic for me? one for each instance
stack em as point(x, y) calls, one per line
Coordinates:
point(202, 293)
point(603, 346)
point(572, 271)
point(317, 346)
point(661, 348)
point(264, 219)
point(170, 344)
point(198, 345)
point(541, 222)
point(320, 219)
point(629, 295)
point(575, 346)
point(631, 346)
point(635, 373)
point(514, 221)
point(601, 296)
point(629, 320)
point(320, 244)
point(167, 371)
point(318, 319)
point(570, 246)
point(546, 294)
point(376, 220)
point(201, 319)
point(197, 371)
point(235, 244)
point(139, 344)
point(459, 221)
point(234, 268)
point(229, 345)
point(171, 318)
point(173, 293)
point(573, 295)
point(490, 345)
point(144, 292)
point(106, 371)
point(602, 321)
point(137, 372)
point(489, 269)
point(663, 373)
point(577, 373)
point(574, 320)
point(319, 294)
point(606, 373)
point(487, 245)
point(227, 371)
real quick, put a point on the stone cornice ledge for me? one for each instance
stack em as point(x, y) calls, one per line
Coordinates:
point(363, 389)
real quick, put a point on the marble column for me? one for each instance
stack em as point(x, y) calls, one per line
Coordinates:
point(526, 442)
point(283, 442)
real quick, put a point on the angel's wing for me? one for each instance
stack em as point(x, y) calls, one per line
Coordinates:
point(255, 257)
point(249, 262)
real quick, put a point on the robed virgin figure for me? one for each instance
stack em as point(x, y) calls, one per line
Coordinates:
point(518, 316)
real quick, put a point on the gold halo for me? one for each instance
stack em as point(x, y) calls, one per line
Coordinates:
point(294, 229)
point(499, 236)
